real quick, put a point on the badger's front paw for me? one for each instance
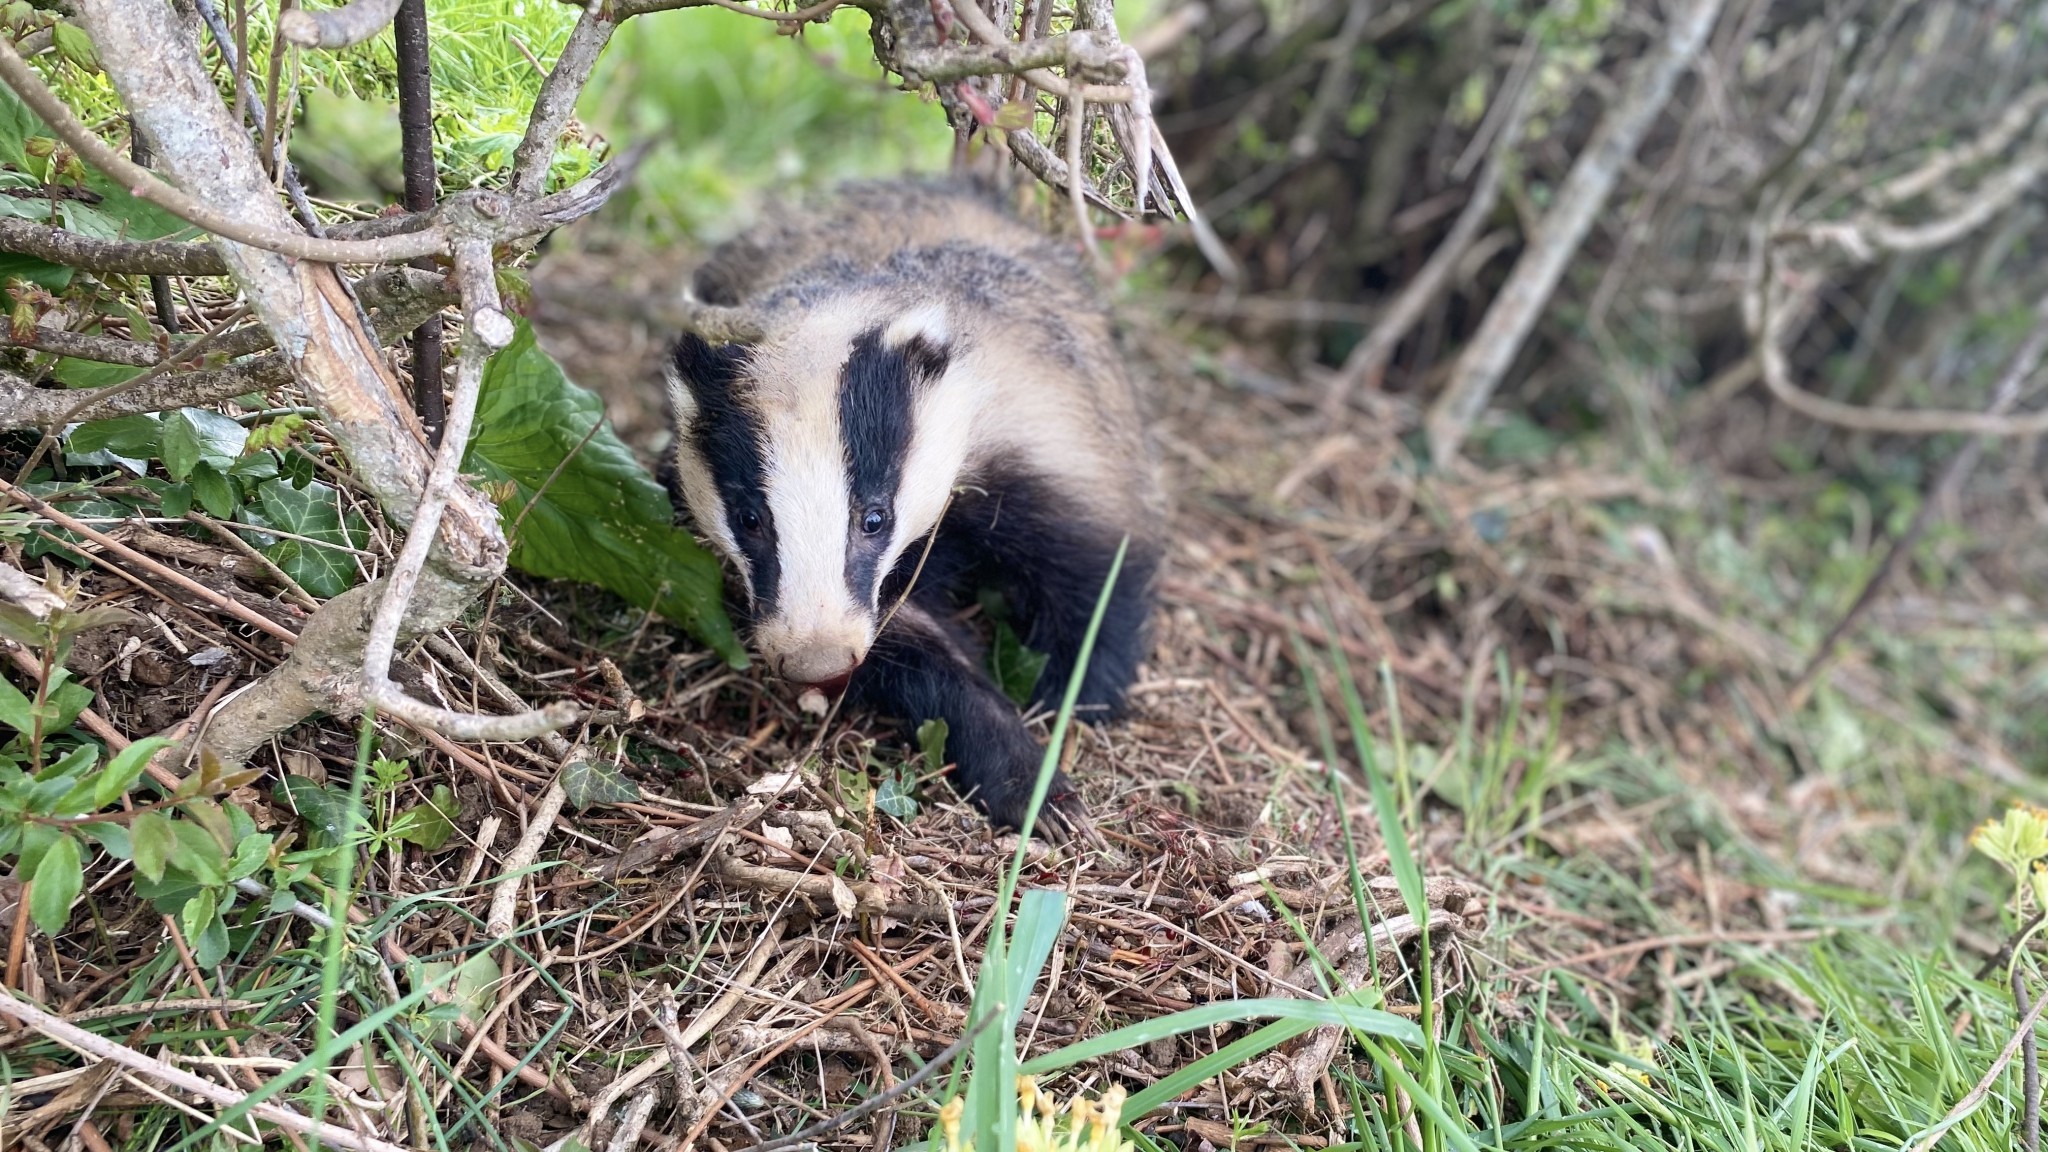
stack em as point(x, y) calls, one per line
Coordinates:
point(1005, 795)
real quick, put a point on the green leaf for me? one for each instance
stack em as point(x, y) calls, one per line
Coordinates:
point(204, 929)
point(1015, 667)
point(66, 699)
point(112, 837)
point(476, 979)
point(314, 512)
point(125, 768)
point(251, 854)
point(429, 825)
point(931, 741)
point(589, 781)
point(602, 519)
point(215, 491)
point(59, 876)
point(176, 500)
point(297, 467)
point(893, 795)
point(155, 842)
point(133, 437)
point(192, 435)
point(198, 854)
point(323, 807)
point(74, 45)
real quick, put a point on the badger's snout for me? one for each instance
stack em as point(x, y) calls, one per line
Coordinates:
point(815, 653)
point(826, 669)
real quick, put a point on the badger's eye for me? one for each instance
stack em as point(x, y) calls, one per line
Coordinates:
point(873, 520)
point(750, 520)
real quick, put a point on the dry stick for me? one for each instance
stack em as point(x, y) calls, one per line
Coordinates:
point(79, 1040)
point(883, 1098)
point(700, 1027)
point(145, 185)
point(1579, 199)
point(555, 104)
point(505, 898)
point(333, 28)
point(126, 386)
point(422, 189)
point(1975, 1096)
point(227, 604)
point(985, 30)
point(405, 574)
point(2003, 397)
point(1370, 358)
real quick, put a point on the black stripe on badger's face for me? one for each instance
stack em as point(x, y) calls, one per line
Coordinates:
point(878, 390)
point(727, 435)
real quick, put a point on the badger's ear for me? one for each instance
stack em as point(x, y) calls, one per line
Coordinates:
point(924, 337)
point(699, 375)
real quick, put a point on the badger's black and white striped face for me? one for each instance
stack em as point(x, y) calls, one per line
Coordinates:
point(813, 460)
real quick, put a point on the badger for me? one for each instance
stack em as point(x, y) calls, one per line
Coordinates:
point(937, 406)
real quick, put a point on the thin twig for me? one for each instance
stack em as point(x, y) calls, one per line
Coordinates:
point(145, 185)
point(882, 1099)
point(382, 644)
point(2006, 394)
point(90, 1044)
point(422, 189)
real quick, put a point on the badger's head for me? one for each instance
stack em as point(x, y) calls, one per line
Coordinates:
point(814, 459)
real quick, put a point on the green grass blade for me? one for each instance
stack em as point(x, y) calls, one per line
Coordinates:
point(1308, 1013)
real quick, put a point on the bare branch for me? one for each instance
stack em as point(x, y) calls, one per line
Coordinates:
point(713, 322)
point(133, 257)
point(99, 1047)
point(332, 28)
point(1084, 49)
point(556, 102)
point(1578, 202)
point(144, 185)
point(398, 299)
point(985, 30)
point(378, 688)
point(1372, 355)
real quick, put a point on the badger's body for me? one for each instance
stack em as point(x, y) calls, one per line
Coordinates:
point(938, 405)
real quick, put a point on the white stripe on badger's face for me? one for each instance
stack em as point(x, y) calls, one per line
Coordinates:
point(817, 630)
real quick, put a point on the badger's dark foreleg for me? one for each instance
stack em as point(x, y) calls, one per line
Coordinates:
point(924, 667)
point(1053, 593)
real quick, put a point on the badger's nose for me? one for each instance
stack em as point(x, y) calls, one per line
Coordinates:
point(827, 670)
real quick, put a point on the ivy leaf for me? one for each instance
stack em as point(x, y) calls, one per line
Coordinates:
point(192, 435)
point(59, 876)
point(315, 512)
point(430, 824)
point(893, 795)
point(323, 807)
point(602, 518)
point(589, 781)
point(1015, 667)
point(470, 992)
point(154, 842)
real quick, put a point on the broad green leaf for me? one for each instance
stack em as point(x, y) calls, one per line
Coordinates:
point(59, 876)
point(323, 807)
point(36, 839)
point(215, 491)
point(192, 435)
point(154, 841)
point(1014, 666)
point(255, 468)
point(893, 796)
point(602, 519)
point(931, 741)
point(589, 781)
point(198, 854)
point(83, 509)
point(133, 437)
point(66, 699)
point(475, 980)
point(112, 837)
point(252, 852)
point(17, 124)
point(429, 824)
point(314, 512)
point(125, 768)
point(176, 500)
point(74, 373)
